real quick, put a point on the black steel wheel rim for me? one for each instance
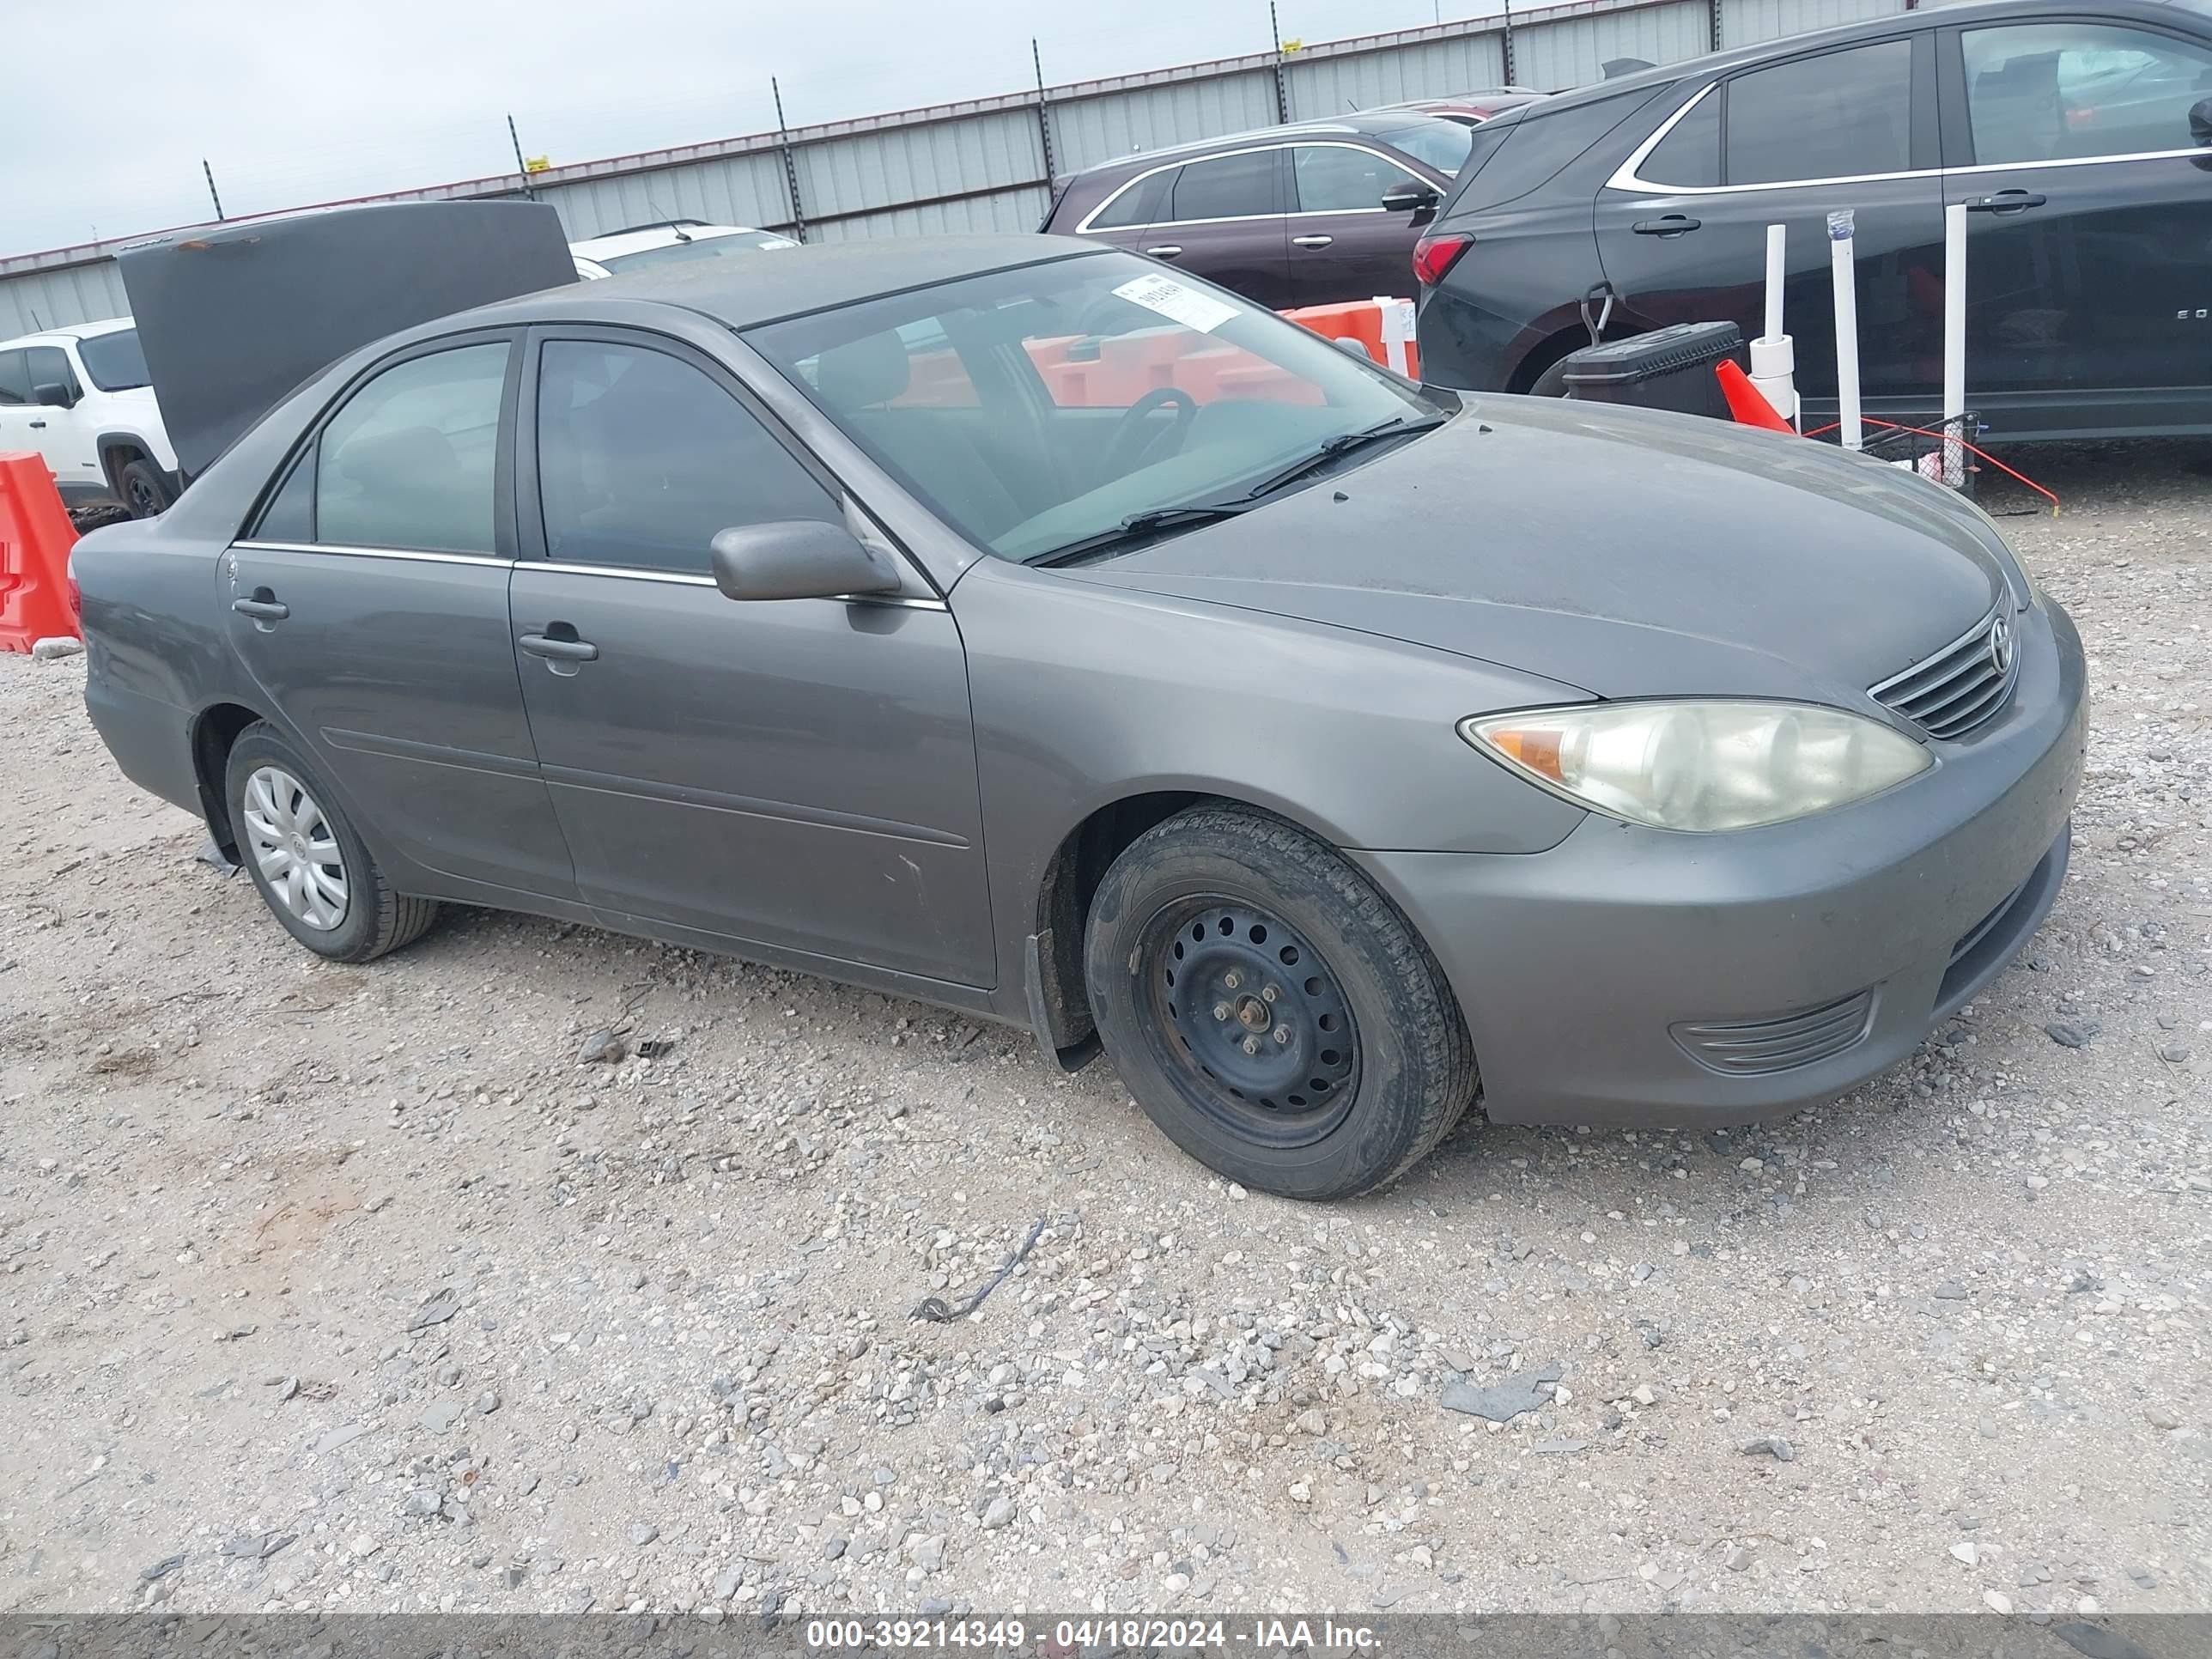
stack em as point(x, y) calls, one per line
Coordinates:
point(141, 495)
point(1247, 1018)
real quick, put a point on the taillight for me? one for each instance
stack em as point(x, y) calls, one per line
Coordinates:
point(1435, 255)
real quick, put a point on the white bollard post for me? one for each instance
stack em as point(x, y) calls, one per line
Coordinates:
point(1841, 256)
point(1954, 344)
point(1773, 358)
point(1397, 330)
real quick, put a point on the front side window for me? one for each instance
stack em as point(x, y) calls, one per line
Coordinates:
point(1689, 156)
point(15, 378)
point(50, 366)
point(1840, 115)
point(1104, 387)
point(114, 362)
point(408, 461)
point(1228, 187)
point(2049, 92)
point(642, 459)
point(1338, 178)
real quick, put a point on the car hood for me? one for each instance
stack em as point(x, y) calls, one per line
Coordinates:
point(1626, 552)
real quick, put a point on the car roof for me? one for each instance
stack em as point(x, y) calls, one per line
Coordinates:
point(638, 239)
point(70, 332)
point(1951, 14)
point(746, 293)
point(1362, 124)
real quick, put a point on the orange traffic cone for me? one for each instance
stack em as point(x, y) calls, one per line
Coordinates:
point(1745, 402)
point(35, 538)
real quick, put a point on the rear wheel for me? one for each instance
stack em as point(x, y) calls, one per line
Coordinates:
point(143, 489)
point(1269, 1008)
point(1553, 382)
point(306, 859)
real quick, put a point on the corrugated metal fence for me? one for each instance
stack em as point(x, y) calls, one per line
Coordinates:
point(986, 164)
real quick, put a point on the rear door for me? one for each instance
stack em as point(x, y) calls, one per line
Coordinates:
point(2089, 300)
point(1344, 245)
point(369, 602)
point(1681, 224)
point(797, 773)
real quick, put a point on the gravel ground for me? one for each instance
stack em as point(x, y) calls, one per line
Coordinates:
point(325, 1287)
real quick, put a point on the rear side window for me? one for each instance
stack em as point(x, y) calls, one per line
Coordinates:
point(290, 515)
point(641, 459)
point(15, 378)
point(408, 461)
point(1144, 203)
point(1689, 156)
point(1228, 186)
point(1840, 115)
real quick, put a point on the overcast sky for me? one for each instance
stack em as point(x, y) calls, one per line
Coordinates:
point(112, 107)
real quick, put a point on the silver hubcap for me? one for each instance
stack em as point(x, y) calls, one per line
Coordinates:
point(295, 849)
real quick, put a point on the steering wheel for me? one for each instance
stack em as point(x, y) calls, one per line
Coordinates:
point(1131, 438)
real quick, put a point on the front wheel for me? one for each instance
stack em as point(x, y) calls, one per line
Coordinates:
point(1270, 1009)
point(145, 492)
point(307, 861)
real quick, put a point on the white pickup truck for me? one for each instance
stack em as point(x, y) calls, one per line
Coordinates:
point(77, 395)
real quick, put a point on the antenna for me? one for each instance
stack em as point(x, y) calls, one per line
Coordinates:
point(669, 219)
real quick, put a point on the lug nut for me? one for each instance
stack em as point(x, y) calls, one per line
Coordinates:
point(1221, 1010)
point(1282, 1034)
point(1232, 979)
point(1267, 993)
point(1251, 1045)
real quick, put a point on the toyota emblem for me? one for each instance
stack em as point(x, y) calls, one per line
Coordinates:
point(2001, 646)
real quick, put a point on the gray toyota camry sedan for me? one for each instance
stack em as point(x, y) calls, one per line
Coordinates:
point(1030, 628)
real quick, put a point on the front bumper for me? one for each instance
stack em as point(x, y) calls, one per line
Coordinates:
point(1586, 973)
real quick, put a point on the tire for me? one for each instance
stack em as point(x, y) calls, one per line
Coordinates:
point(1376, 1066)
point(366, 918)
point(145, 493)
point(1553, 382)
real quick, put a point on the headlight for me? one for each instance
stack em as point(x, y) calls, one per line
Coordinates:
point(1700, 766)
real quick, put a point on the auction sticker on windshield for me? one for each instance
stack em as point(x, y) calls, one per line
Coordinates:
point(1177, 302)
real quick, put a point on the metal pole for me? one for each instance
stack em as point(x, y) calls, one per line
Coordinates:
point(1841, 255)
point(1511, 79)
point(520, 165)
point(1955, 343)
point(212, 197)
point(1044, 113)
point(790, 166)
point(1282, 93)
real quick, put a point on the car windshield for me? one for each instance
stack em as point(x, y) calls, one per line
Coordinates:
point(113, 362)
point(699, 247)
point(1442, 145)
point(1039, 408)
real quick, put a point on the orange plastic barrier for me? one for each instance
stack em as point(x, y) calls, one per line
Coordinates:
point(1382, 325)
point(1747, 403)
point(35, 538)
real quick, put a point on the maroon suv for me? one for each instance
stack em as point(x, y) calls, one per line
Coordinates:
point(1289, 216)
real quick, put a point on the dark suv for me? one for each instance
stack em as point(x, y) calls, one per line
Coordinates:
point(1290, 216)
point(2076, 136)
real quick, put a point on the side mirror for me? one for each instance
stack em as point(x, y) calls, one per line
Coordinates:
point(798, 559)
point(50, 396)
point(1411, 198)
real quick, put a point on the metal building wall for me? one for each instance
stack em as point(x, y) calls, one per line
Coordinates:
point(982, 165)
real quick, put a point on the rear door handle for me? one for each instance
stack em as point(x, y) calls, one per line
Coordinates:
point(1165, 250)
point(554, 649)
point(1671, 224)
point(262, 607)
point(1312, 241)
point(2006, 201)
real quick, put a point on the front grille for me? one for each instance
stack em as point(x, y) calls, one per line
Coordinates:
point(1750, 1047)
point(1953, 691)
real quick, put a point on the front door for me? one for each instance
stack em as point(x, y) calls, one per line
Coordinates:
point(1344, 244)
point(369, 602)
point(2089, 251)
point(797, 773)
point(1681, 228)
point(1220, 218)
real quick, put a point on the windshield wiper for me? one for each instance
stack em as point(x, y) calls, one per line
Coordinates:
point(1398, 426)
point(1138, 525)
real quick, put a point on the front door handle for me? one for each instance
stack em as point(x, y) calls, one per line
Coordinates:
point(1312, 241)
point(2006, 201)
point(264, 607)
point(555, 648)
point(1165, 250)
point(1671, 224)
point(38, 426)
